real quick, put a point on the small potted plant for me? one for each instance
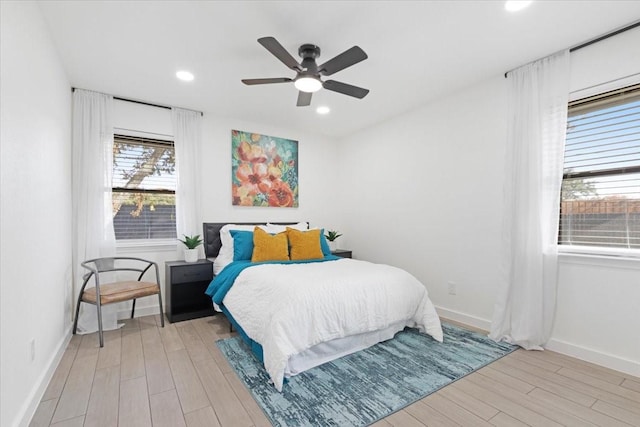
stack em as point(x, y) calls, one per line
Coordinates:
point(192, 243)
point(331, 236)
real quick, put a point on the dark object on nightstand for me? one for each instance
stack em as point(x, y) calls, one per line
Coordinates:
point(185, 284)
point(341, 253)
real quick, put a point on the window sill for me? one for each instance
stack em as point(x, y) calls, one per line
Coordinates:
point(146, 245)
point(603, 257)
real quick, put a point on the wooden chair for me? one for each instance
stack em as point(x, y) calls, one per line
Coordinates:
point(118, 291)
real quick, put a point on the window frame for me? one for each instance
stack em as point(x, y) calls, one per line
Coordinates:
point(592, 96)
point(149, 244)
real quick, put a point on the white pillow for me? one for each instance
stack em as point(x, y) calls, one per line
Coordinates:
point(276, 228)
point(225, 256)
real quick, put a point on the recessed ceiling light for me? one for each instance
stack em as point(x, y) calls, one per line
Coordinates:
point(516, 5)
point(184, 76)
point(323, 109)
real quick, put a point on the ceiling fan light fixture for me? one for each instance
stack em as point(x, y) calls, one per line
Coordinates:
point(308, 84)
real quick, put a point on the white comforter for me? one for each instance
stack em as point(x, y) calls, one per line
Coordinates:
point(288, 308)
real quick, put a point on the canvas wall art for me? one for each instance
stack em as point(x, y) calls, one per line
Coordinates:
point(264, 170)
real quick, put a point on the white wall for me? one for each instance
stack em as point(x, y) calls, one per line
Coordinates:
point(606, 61)
point(132, 118)
point(318, 182)
point(424, 192)
point(35, 275)
point(317, 157)
point(317, 175)
point(598, 311)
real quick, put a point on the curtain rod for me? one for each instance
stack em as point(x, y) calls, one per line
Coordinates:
point(597, 39)
point(119, 98)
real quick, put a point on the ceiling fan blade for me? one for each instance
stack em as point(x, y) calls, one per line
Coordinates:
point(266, 81)
point(276, 49)
point(304, 99)
point(355, 91)
point(346, 59)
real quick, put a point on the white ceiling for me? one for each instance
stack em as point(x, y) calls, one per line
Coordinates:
point(418, 51)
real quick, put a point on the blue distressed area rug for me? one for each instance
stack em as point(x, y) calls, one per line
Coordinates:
point(363, 387)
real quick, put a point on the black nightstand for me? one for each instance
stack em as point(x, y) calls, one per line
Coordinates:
point(341, 253)
point(185, 283)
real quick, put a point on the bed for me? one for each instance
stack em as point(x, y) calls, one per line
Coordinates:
point(297, 314)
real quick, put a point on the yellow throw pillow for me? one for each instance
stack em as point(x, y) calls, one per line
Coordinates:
point(304, 244)
point(269, 248)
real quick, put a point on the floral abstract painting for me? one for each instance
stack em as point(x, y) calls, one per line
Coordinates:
point(264, 170)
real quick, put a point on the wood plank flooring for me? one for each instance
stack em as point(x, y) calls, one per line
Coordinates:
point(176, 376)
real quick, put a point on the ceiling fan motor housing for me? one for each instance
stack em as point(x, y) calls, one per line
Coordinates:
point(309, 53)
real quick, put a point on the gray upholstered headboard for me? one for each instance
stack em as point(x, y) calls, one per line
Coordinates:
point(211, 232)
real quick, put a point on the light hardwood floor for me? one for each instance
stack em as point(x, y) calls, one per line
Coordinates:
point(176, 376)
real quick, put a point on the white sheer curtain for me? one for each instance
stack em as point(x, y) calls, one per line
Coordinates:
point(187, 131)
point(93, 237)
point(538, 98)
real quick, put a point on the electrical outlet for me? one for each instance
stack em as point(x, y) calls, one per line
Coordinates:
point(452, 288)
point(32, 349)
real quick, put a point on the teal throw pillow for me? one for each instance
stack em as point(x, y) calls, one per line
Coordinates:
point(242, 245)
point(323, 244)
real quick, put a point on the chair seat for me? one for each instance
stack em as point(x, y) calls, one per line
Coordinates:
point(121, 291)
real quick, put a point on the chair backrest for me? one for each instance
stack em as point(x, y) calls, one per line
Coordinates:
point(114, 264)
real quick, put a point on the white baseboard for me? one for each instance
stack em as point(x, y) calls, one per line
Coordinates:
point(599, 358)
point(467, 319)
point(587, 354)
point(31, 404)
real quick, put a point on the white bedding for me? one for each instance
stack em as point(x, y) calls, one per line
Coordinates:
point(289, 308)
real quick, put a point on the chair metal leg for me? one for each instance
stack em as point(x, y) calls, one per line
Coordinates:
point(133, 308)
point(161, 312)
point(75, 321)
point(100, 324)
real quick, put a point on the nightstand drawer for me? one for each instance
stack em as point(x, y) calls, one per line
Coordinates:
point(191, 273)
point(343, 253)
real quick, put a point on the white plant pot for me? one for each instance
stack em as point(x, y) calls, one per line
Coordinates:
point(333, 245)
point(191, 255)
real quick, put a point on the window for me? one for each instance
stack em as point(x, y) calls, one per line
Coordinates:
point(600, 203)
point(143, 188)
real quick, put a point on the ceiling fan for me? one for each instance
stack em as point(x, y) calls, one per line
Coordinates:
point(308, 72)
